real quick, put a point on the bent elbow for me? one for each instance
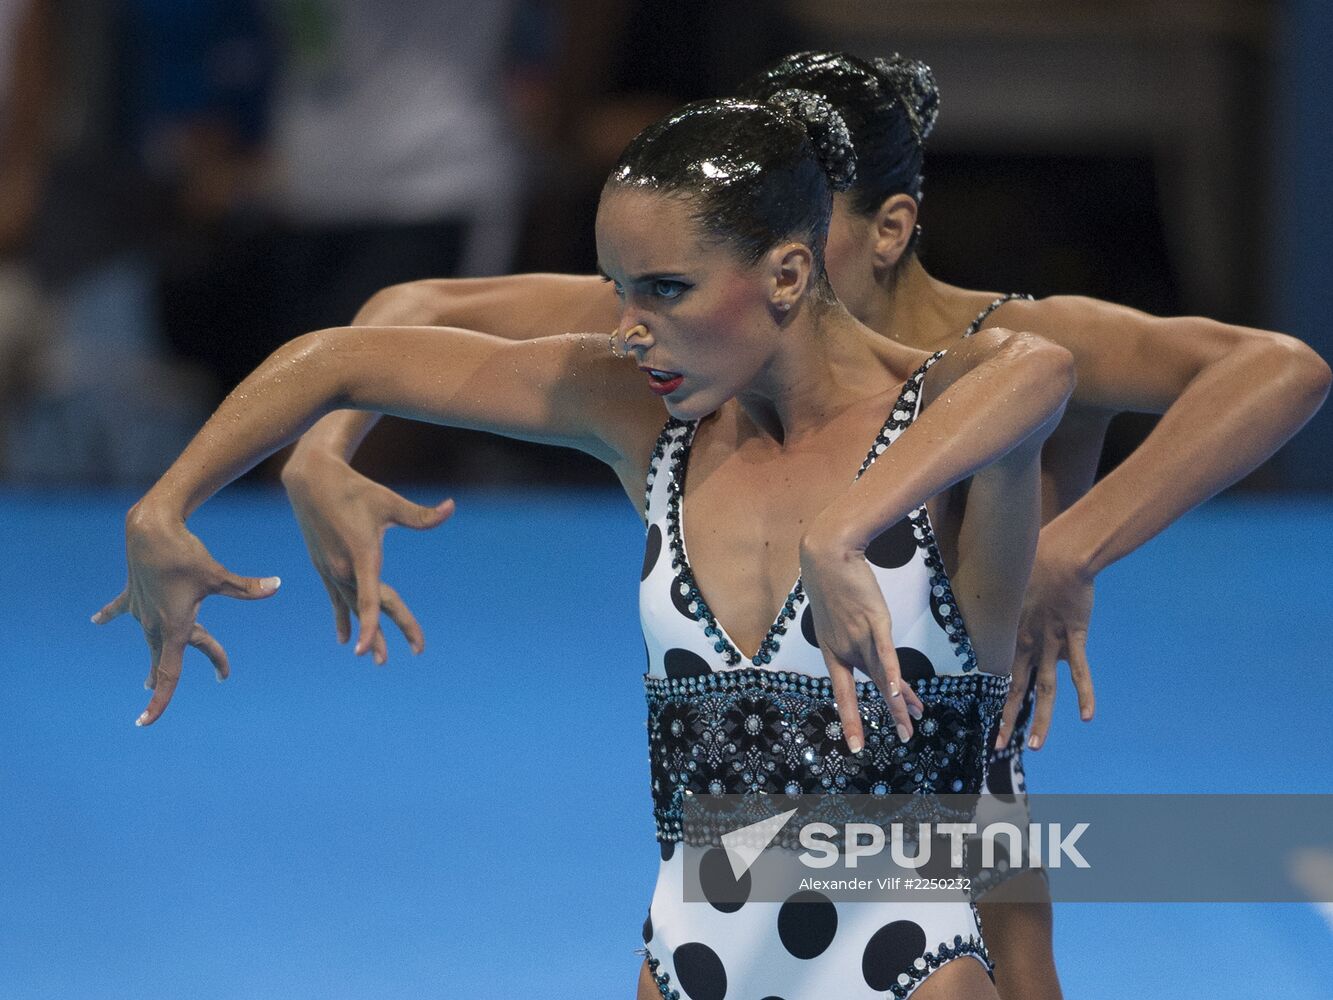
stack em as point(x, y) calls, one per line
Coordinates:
point(410, 303)
point(1047, 365)
point(1306, 376)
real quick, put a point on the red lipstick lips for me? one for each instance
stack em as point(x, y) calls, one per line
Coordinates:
point(661, 382)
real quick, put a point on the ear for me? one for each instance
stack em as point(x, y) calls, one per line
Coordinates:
point(894, 223)
point(792, 267)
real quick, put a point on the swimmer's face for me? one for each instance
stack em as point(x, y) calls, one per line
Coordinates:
point(849, 257)
point(700, 321)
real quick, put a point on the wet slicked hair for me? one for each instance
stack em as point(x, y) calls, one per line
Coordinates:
point(756, 173)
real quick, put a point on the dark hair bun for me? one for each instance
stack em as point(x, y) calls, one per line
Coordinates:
point(828, 133)
point(914, 84)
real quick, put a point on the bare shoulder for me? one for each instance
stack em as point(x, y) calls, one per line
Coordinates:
point(989, 345)
point(630, 416)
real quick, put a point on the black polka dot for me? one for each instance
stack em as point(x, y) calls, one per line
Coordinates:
point(682, 602)
point(914, 664)
point(719, 883)
point(806, 923)
point(890, 952)
point(999, 776)
point(682, 663)
point(651, 550)
point(808, 626)
point(893, 547)
point(648, 927)
point(699, 972)
point(667, 848)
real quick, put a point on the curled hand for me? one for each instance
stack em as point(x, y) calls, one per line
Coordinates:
point(343, 516)
point(855, 631)
point(169, 574)
point(1053, 626)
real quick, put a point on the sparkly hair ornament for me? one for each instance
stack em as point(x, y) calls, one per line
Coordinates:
point(828, 133)
point(914, 84)
point(888, 105)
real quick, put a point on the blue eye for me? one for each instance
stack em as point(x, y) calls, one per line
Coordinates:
point(665, 288)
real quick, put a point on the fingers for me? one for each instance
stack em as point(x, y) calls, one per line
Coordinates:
point(401, 616)
point(844, 696)
point(1082, 675)
point(167, 669)
point(113, 610)
point(248, 588)
point(414, 515)
point(888, 678)
point(366, 567)
point(1046, 684)
point(342, 615)
point(210, 647)
point(1028, 651)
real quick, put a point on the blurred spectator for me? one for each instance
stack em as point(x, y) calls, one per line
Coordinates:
point(393, 159)
point(25, 104)
point(150, 125)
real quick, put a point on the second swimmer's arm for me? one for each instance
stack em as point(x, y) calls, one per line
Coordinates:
point(1230, 396)
point(342, 514)
point(515, 307)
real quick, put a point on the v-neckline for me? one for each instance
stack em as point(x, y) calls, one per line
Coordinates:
point(900, 416)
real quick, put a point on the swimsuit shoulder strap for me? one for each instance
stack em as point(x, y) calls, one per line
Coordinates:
point(985, 313)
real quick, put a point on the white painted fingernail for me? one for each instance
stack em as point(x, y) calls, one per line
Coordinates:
point(96, 619)
point(914, 712)
point(271, 582)
point(141, 719)
point(855, 745)
point(903, 734)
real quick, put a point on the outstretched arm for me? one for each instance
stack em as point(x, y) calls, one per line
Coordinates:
point(563, 390)
point(1230, 396)
point(342, 514)
point(989, 403)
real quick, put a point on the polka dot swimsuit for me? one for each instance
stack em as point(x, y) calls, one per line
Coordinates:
point(722, 723)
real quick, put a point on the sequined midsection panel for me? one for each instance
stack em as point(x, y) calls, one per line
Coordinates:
point(754, 731)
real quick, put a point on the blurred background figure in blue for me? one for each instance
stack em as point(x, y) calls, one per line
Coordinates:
point(150, 114)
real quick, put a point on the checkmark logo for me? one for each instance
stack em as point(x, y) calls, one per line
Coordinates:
point(744, 846)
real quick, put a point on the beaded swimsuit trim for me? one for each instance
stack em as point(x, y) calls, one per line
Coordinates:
point(755, 731)
point(681, 434)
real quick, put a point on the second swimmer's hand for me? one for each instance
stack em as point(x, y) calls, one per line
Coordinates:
point(1053, 626)
point(169, 574)
point(854, 631)
point(343, 516)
